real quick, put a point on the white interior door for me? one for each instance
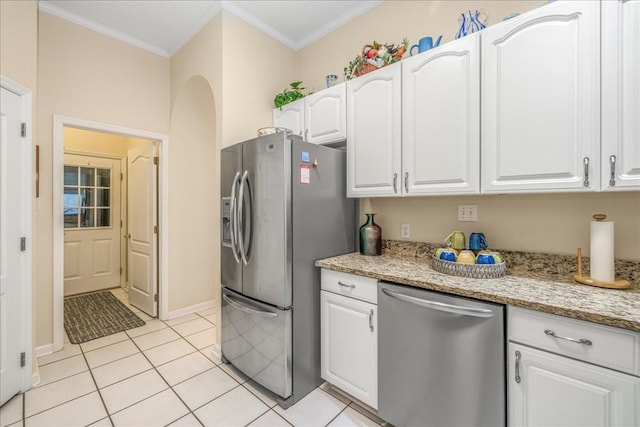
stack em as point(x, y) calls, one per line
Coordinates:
point(13, 251)
point(143, 238)
point(91, 223)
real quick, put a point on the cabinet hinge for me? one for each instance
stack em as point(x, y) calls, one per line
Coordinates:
point(156, 160)
point(23, 129)
point(23, 244)
point(155, 229)
point(23, 359)
point(155, 298)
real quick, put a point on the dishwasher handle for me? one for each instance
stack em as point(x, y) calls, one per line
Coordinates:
point(440, 306)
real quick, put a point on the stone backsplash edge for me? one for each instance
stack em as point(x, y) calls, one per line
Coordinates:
point(558, 268)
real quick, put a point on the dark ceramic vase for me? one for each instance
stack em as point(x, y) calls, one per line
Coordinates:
point(370, 237)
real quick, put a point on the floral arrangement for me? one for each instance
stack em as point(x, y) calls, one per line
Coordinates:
point(374, 56)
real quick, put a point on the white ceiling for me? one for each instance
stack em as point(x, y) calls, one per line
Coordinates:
point(164, 26)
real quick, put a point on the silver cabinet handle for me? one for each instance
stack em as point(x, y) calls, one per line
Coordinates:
point(518, 367)
point(347, 285)
point(242, 307)
point(612, 165)
point(406, 182)
point(440, 306)
point(234, 218)
point(395, 182)
point(306, 132)
point(584, 341)
point(371, 320)
point(585, 161)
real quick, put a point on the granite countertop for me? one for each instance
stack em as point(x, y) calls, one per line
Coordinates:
point(547, 291)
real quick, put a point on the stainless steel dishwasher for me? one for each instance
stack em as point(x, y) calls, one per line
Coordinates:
point(441, 359)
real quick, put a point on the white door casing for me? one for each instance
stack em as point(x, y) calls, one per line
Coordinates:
point(59, 123)
point(142, 237)
point(92, 254)
point(15, 253)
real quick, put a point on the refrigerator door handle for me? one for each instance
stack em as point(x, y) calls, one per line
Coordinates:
point(234, 218)
point(243, 253)
point(434, 305)
point(238, 305)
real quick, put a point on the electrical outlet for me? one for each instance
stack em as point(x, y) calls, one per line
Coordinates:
point(404, 232)
point(467, 212)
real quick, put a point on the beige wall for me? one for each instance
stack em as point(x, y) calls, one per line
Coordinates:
point(87, 141)
point(554, 223)
point(390, 22)
point(538, 223)
point(86, 75)
point(255, 68)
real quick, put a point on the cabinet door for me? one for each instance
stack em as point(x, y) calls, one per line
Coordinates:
point(620, 95)
point(441, 120)
point(374, 133)
point(541, 100)
point(326, 115)
point(558, 391)
point(349, 346)
point(290, 116)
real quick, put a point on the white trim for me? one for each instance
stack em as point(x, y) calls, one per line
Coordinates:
point(191, 309)
point(211, 12)
point(35, 379)
point(59, 122)
point(216, 351)
point(44, 350)
point(26, 96)
point(109, 32)
point(232, 7)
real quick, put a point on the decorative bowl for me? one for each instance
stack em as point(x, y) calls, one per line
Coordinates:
point(477, 271)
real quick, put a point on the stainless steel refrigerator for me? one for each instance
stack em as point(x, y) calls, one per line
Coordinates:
point(283, 206)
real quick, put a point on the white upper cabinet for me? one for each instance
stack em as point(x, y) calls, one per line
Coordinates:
point(621, 95)
point(325, 115)
point(441, 120)
point(374, 133)
point(290, 116)
point(541, 101)
point(320, 117)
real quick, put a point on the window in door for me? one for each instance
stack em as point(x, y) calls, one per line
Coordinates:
point(87, 197)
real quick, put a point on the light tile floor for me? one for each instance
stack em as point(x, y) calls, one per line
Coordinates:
point(161, 374)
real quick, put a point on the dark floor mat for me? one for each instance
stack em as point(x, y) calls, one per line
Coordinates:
point(91, 316)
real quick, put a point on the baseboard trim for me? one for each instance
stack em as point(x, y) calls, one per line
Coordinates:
point(216, 350)
point(43, 350)
point(35, 379)
point(191, 309)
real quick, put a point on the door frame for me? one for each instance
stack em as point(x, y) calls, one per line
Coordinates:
point(59, 122)
point(26, 96)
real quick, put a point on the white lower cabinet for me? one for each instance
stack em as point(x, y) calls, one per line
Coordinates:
point(349, 335)
point(548, 386)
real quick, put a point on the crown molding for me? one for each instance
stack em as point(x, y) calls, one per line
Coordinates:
point(196, 27)
point(60, 13)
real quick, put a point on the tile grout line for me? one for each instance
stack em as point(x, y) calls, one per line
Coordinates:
point(155, 368)
point(97, 388)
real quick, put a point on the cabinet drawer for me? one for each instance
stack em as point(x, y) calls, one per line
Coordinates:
point(609, 347)
point(350, 285)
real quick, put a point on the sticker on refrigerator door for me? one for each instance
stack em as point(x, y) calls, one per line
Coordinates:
point(305, 157)
point(305, 174)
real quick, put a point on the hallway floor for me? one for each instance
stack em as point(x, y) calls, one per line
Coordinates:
point(163, 373)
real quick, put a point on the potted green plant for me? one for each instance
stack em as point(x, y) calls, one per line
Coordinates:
point(289, 95)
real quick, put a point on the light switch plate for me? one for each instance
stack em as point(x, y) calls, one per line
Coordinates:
point(467, 212)
point(404, 231)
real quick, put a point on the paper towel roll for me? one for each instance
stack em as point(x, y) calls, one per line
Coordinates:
point(602, 256)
